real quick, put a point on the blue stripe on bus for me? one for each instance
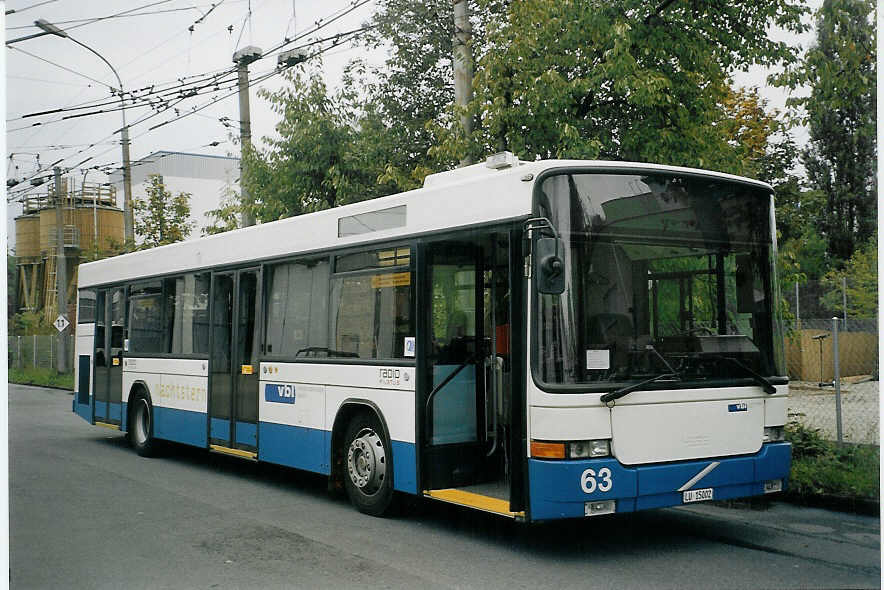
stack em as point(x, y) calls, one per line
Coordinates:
point(100, 410)
point(294, 446)
point(308, 449)
point(114, 410)
point(124, 422)
point(247, 433)
point(220, 428)
point(84, 411)
point(404, 467)
point(556, 485)
point(180, 426)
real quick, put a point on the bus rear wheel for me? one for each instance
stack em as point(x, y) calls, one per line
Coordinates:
point(141, 426)
point(368, 467)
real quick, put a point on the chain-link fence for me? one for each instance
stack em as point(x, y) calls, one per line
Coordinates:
point(833, 368)
point(39, 351)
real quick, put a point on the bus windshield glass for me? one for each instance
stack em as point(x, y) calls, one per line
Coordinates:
point(664, 273)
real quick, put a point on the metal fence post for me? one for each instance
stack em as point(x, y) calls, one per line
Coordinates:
point(19, 351)
point(34, 351)
point(837, 378)
point(51, 364)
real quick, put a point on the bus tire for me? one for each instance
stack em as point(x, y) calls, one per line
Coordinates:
point(368, 465)
point(141, 426)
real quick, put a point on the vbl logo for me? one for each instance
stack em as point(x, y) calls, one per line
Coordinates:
point(284, 394)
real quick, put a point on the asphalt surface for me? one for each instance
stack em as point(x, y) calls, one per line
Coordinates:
point(87, 512)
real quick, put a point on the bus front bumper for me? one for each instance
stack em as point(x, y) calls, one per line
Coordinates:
point(577, 488)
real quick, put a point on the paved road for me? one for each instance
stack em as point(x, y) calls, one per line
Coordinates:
point(89, 513)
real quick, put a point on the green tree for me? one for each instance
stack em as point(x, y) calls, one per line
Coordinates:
point(314, 163)
point(228, 214)
point(160, 217)
point(861, 274)
point(618, 80)
point(840, 114)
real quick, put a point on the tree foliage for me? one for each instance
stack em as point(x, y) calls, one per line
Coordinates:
point(840, 114)
point(861, 275)
point(160, 217)
point(618, 80)
point(314, 163)
point(228, 214)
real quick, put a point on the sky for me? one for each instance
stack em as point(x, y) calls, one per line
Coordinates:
point(160, 42)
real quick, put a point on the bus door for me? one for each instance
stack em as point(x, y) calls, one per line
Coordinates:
point(110, 335)
point(233, 386)
point(453, 380)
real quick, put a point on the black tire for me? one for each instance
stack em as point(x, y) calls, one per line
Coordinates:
point(368, 465)
point(141, 426)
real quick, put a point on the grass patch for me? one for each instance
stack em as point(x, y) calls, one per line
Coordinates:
point(41, 377)
point(824, 467)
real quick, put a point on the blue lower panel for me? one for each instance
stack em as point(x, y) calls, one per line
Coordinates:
point(404, 467)
point(294, 446)
point(84, 411)
point(247, 434)
point(124, 422)
point(100, 411)
point(180, 426)
point(220, 429)
point(559, 488)
point(308, 449)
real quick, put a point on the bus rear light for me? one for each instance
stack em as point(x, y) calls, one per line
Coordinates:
point(547, 450)
point(774, 434)
point(599, 508)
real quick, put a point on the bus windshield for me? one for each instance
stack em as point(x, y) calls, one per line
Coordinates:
point(664, 273)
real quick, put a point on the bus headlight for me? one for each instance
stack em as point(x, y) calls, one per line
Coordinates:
point(774, 434)
point(581, 449)
point(589, 448)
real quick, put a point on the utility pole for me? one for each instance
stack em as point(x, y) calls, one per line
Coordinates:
point(242, 59)
point(129, 213)
point(463, 66)
point(61, 278)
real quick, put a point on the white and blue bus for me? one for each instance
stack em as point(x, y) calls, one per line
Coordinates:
point(540, 340)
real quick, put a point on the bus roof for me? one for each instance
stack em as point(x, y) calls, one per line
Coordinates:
point(461, 198)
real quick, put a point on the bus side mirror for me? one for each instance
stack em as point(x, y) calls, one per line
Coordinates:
point(549, 267)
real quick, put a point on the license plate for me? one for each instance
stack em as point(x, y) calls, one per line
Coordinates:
point(697, 495)
point(773, 485)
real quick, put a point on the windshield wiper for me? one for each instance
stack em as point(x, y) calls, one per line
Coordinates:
point(618, 393)
point(766, 385)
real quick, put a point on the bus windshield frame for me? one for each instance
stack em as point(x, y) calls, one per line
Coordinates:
point(667, 274)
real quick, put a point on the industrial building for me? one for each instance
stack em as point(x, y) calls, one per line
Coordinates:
point(92, 221)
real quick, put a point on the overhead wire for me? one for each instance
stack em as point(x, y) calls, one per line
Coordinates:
point(58, 65)
point(17, 10)
point(321, 23)
point(98, 19)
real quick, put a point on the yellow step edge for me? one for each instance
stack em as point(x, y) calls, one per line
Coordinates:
point(106, 425)
point(234, 452)
point(471, 500)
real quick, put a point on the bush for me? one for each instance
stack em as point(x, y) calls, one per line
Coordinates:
point(41, 377)
point(824, 467)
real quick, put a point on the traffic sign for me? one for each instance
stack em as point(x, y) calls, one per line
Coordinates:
point(61, 323)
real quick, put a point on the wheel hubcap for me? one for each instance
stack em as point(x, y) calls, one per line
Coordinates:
point(366, 461)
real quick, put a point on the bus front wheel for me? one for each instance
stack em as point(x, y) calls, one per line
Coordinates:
point(368, 469)
point(141, 426)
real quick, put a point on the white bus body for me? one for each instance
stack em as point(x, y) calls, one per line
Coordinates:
point(400, 343)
